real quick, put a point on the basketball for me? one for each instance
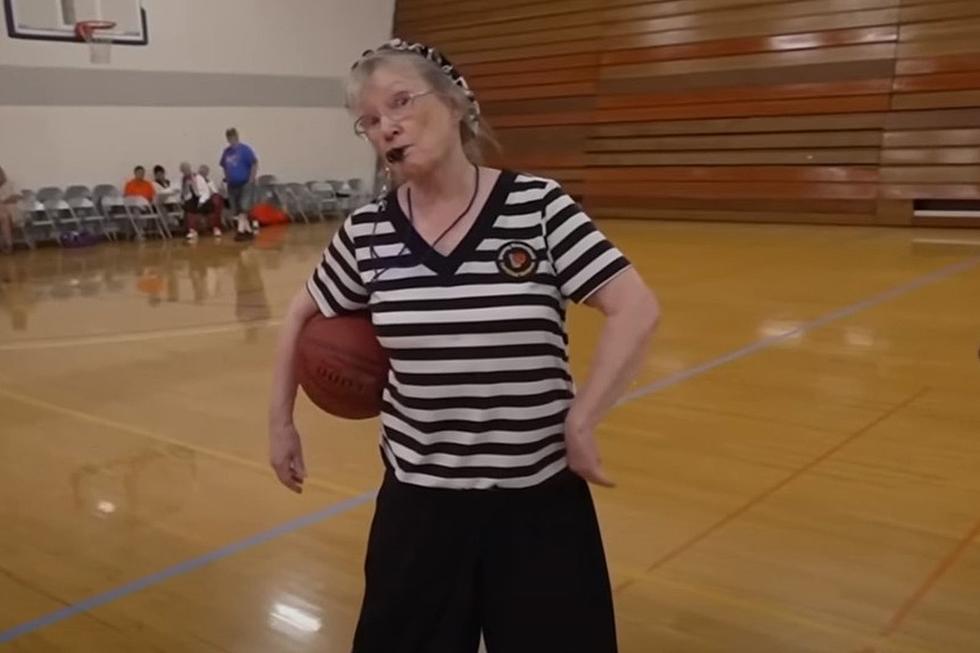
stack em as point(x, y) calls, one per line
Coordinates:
point(341, 366)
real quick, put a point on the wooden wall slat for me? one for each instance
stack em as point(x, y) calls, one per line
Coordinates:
point(742, 93)
point(697, 47)
point(931, 155)
point(562, 62)
point(830, 174)
point(742, 142)
point(940, 47)
point(934, 174)
point(826, 73)
point(730, 190)
point(960, 28)
point(749, 157)
point(476, 12)
point(445, 35)
point(933, 119)
point(537, 91)
point(932, 138)
point(809, 106)
point(937, 10)
point(943, 100)
point(785, 26)
point(706, 11)
point(750, 125)
point(768, 60)
point(946, 81)
point(797, 214)
point(826, 111)
point(931, 191)
point(526, 79)
point(933, 65)
point(514, 39)
point(762, 205)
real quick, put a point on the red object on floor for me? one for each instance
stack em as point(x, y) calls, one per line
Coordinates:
point(267, 214)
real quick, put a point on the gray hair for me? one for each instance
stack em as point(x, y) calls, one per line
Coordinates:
point(474, 132)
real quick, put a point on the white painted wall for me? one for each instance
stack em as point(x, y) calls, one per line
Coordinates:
point(288, 37)
point(59, 145)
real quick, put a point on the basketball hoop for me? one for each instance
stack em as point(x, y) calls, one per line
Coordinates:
point(99, 43)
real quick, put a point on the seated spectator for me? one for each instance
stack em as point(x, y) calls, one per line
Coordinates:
point(138, 186)
point(217, 198)
point(161, 184)
point(205, 171)
point(196, 198)
point(8, 213)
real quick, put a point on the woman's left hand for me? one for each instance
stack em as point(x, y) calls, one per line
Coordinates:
point(582, 453)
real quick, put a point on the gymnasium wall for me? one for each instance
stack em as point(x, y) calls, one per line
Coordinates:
point(827, 111)
point(274, 70)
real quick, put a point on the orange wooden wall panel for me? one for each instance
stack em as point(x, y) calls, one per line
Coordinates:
point(837, 111)
point(931, 147)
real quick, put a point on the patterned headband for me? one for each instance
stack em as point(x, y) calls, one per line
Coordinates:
point(436, 57)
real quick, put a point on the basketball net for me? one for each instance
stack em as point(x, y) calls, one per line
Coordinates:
point(95, 33)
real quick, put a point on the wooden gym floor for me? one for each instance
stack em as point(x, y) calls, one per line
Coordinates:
point(797, 467)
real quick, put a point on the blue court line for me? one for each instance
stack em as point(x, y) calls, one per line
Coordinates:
point(332, 511)
point(816, 323)
point(184, 567)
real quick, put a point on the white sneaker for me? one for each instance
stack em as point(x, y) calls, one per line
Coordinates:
point(191, 234)
point(217, 232)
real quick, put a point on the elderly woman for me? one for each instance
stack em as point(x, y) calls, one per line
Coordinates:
point(484, 520)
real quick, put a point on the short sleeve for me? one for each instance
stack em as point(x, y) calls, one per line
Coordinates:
point(335, 285)
point(584, 259)
point(251, 155)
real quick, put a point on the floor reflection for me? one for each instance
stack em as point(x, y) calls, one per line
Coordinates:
point(117, 278)
point(147, 487)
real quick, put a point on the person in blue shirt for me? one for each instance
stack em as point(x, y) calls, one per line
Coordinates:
point(241, 166)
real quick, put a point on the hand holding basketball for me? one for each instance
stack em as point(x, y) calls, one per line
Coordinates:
point(286, 456)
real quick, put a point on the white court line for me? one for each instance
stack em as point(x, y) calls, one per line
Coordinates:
point(945, 241)
point(143, 336)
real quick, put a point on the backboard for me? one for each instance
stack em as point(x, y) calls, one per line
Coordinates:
point(54, 20)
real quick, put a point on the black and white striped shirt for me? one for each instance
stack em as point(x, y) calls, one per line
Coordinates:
point(479, 384)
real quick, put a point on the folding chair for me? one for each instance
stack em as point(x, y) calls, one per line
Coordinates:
point(77, 191)
point(170, 211)
point(58, 210)
point(109, 203)
point(80, 202)
point(359, 192)
point(343, 194)
point(302, 200)
point(326, 197)
point(140, 213)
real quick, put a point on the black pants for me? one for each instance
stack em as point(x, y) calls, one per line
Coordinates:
point(526, 567)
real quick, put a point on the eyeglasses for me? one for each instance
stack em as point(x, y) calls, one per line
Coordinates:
point(398, 108)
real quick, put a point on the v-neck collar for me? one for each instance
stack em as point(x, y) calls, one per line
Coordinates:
point(447, 264)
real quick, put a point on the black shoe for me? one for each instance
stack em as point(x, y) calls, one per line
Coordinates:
point(244, 235)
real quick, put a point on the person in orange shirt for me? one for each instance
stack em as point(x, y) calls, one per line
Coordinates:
point(140, 186)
